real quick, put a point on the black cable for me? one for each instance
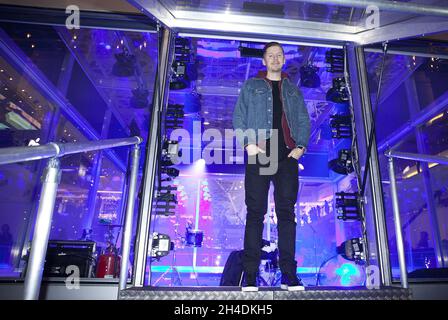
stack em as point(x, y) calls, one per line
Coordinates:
point(372, 128)
point(322, 264)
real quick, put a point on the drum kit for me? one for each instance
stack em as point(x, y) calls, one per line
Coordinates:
point(192, 238)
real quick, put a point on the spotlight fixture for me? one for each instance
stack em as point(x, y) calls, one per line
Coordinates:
point(335, 58)
point(125, 64)
point(174, 117)
point(179, 78)
point(341, 126)
point(338, 92)
point(165, 203)
point(348, 206)
point(170, 150)
point(353, 250)
point(169, 153)
point(172, 172)
point(167, 197)
point(309, 77)
point(343, 164)
point(139, 99)
point(161, 245)
point(246, 52)
point(182, 49)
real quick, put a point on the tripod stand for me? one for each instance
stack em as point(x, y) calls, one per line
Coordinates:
point(175, 276)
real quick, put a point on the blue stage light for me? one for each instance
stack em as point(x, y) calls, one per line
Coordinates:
point(349, 274)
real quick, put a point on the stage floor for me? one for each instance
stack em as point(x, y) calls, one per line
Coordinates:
point(264, 293)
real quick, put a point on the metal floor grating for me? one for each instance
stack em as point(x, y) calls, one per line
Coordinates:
point(265, 293)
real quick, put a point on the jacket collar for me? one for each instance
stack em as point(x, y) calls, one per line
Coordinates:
point(263, 73)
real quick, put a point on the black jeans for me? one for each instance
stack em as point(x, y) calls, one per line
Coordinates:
point(286, 182)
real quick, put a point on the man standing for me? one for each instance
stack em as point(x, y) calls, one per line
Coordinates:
point(271, 119)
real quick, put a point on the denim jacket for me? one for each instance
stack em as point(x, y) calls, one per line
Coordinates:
point(254, 110)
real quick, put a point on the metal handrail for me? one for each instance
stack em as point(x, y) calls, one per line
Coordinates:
point(50, 181)
point(395, 204)
point(53, 149)
point(417, 157)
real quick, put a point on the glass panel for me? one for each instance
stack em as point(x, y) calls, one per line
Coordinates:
point(41, 44)
point(71, 207)
point(420, 191)
point(83, 67)
point(107, 224)
point(25, 119)
point(207, 224)
point(300, 10)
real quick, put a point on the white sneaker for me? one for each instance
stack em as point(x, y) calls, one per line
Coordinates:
point(249, 289)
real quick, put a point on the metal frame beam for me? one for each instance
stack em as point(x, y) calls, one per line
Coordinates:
point(423, 116)
point(230, 24)
point(414, 27)
point(88, 19)
point(147, 192)
point(413, 8)
point(414, 107)
point(189, 21)
point(374, 209)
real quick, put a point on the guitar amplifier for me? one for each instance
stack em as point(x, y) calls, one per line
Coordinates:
point(61, 254)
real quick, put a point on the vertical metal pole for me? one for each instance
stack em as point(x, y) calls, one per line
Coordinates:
point(144, 224)
point(374, 208)
point(33, 278)
point(92, 198)
point(414, 108)
point(126, 241)
point(397, 222)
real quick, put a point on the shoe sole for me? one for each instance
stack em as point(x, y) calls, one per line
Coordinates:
point(294, 288)
point(249, 289)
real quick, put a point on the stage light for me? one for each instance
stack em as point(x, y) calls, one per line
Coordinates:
point(174, 117)
point(348, 273)
point(309, 77)
point(167, 197)
point(341, 126)
point(179, 79)
point(139, 99)
point(343, 164)
point(161, 245)
point(348, 206)
point(165, 202)
point(338, 92)
point(353, 250)
point(335, 58)
point(182, 49)
point(250, 52)
point(172, 172)
point(125, 64)
point(166, 163)
point(170, 149)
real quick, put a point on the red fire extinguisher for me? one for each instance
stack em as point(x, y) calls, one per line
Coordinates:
point(108, 263)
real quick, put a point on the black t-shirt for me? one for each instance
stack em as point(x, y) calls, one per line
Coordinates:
point(283, 151)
